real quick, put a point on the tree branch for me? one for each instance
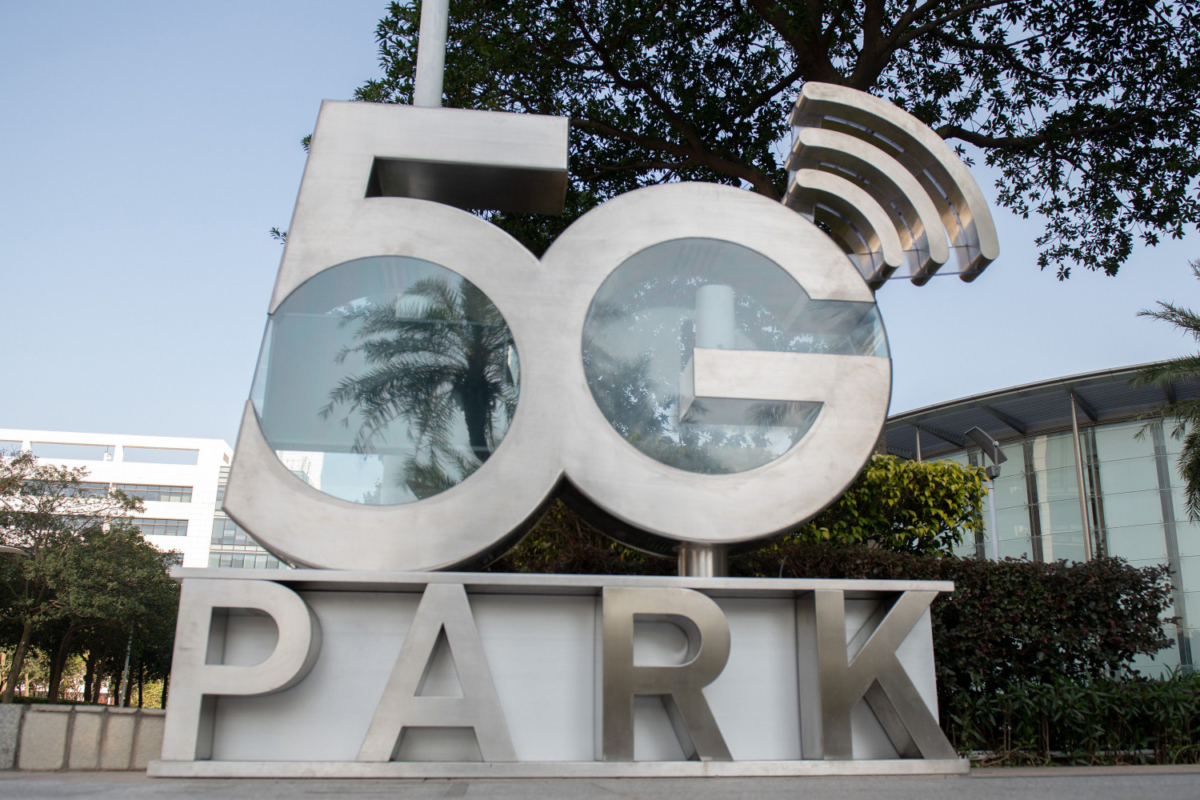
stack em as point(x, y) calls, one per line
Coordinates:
point(1027, 142)
point(703, 157)
point(873, 56)
point(765, 95)
point(896, 41)
point(813, 63)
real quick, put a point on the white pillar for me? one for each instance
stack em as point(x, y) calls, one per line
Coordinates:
point(431, 53)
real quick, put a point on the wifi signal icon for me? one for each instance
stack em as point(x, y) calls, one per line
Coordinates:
point(887, 187)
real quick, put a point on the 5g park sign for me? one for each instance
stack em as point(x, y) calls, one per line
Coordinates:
point(694, 367)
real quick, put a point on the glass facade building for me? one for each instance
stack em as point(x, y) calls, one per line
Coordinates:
point(1067, 439)
point(231, 546)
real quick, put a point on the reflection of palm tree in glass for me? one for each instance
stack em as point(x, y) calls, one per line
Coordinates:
point(441, 350)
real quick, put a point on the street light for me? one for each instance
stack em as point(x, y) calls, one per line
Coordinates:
point(991, 449)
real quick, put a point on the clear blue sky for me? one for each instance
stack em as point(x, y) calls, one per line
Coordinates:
point(147, 147)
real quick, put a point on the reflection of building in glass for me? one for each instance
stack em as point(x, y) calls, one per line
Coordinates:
point(306, 466)
point(666, 304)
point(177, 479)
point(1133, 493)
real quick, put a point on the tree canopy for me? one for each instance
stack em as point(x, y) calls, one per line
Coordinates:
point(1087, 108)
point(84, 577)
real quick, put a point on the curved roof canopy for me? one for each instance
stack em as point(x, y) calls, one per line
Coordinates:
point(1043, 407)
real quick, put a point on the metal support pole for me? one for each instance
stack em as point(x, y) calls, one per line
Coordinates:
point(703, 560)
point(1082, 486)
point(995, 537)
point(125, 672)
point(918, 432)
point(431, 53)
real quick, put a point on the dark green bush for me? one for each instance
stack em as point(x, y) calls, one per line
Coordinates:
point(1006, 622)
point(1108, 721)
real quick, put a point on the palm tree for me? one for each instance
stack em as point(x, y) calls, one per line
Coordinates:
point(1185, 413)
point(440, 354)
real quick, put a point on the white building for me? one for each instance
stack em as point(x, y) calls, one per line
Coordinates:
point(181, 482)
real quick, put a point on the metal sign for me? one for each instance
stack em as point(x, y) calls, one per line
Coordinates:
point(694, 366)
point(702, 366)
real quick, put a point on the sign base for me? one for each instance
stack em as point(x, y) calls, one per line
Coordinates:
point(551, 769)
point(333, 674)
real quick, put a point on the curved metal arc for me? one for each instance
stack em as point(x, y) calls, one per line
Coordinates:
point(964, 209)
point(855, 206)
point(887, 181)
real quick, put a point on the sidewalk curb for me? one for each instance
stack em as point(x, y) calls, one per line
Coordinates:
point(1080, 772)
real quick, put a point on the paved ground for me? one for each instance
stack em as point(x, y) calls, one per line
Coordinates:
point(1101, 783)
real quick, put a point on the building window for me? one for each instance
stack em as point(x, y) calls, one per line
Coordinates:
point(247, 553)
point(84, 489)
point(80, 523)
point(161, 455)
point(72, 452)
point(228, 535)
point(80, 489)
point(160, 494)
point(245, 561)
point(222, 479)
point(161, 527)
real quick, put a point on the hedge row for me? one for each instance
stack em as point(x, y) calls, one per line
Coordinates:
point(1125, 721)
point(1010, 621)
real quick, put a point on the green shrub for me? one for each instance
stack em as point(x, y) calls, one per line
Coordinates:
point(905, 506)
point(1121, 721)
